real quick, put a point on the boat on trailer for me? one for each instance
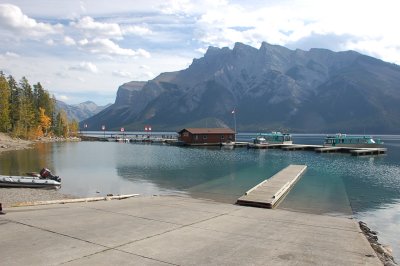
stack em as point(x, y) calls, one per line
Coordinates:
point(45, 179)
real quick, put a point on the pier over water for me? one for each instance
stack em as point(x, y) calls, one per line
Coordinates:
point(269, 192)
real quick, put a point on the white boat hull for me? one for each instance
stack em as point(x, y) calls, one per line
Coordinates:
point(360, 145)
point(257, 145)
point(28, 182)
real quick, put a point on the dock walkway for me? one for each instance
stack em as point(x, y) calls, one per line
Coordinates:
point(268, 193)
point(355, 151)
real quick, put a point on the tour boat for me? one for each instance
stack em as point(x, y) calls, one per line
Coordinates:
point(343, 140)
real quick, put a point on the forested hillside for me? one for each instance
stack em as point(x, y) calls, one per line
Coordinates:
point(28, 111)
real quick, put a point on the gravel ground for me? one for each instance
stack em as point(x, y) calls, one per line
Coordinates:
point(11, 196)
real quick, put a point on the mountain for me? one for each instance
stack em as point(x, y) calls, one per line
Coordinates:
point(270, 88)
point(80, 111)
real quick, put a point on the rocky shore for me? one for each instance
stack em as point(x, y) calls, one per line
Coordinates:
point(384, 252)
point(12, 196)
point(7, 143)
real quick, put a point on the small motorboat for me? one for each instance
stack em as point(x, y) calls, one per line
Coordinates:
point(258, 143)
point(228, 145)
point(45, 179)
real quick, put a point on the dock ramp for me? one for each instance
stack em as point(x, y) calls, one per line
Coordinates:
point(268, 193)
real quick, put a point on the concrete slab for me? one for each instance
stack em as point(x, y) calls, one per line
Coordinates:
point(22, 244)
point(178, 231)
point(105, 228)
point(115, 257)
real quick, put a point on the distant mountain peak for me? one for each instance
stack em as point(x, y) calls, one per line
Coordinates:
point(271, 88)
point(80, 111)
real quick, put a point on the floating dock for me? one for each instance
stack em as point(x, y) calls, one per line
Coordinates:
point(355, 151)
point(368, 151)
point(294, 147)
point(268, 193)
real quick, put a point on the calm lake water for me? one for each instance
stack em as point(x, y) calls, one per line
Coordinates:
point(366, 187)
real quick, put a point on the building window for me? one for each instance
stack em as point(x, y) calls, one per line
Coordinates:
point(222, 137)
point(204, 136)
point(186, 134)
point(196, 137)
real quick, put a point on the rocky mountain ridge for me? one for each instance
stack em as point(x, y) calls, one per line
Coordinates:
point(271, 88)
point(80, 111)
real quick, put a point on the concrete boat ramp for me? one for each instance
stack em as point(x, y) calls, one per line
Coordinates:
point(173, 230)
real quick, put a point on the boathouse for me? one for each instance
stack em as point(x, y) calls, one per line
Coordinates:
point(206, 136)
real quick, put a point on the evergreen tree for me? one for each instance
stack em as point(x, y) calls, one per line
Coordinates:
point(61, 124)
point(31, 113)
point(73, 128)
point(14, 102)
point(5, 121)
point(43, 99)
point(27, 119)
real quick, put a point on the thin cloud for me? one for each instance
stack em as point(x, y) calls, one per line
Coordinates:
point(136, 30)
point(69, 41)
point(11, 54)
point(85, 66)
point(106, 46)
point(122, 74)
point(92, 28)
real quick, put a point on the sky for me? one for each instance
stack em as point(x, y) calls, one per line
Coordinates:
point(83, 50)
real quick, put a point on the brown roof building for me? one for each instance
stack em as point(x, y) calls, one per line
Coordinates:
point(206, 136)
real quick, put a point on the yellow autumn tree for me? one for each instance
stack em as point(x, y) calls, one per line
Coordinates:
point(35, 133)
point(44, 120)
point(73, 128)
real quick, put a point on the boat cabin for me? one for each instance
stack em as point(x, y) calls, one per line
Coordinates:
point(351, 141)
point(277, 137)
point(260, 140)
point(206, 136)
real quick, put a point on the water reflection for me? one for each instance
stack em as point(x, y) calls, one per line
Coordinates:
point(23, 161)
point(334, 183)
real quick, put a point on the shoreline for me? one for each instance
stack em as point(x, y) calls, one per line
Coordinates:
point(8, 143)
point(11, 196)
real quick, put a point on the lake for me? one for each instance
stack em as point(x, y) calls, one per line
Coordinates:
point(366, 187)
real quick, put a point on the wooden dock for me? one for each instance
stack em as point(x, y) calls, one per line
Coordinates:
point(269, 192)
point(295, 147)
point(355, 151)
point(368, 151)
point(330, 149)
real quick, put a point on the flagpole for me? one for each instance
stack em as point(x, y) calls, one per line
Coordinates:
point(234, 119)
